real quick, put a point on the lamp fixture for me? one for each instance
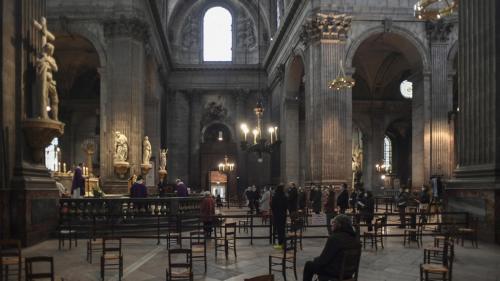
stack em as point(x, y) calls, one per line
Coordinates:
point(342, 81)
point(383, 168)
point(435, 9)
point(226, 166)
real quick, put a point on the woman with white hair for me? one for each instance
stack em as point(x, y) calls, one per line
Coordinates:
point(265, 205)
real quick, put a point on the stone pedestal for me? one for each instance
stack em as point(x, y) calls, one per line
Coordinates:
point(121, 169)
point(145, 168)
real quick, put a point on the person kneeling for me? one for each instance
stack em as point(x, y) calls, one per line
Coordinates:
point(329, 262)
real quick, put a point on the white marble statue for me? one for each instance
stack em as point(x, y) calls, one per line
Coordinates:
point(163, 159)
point(45, 68)
point(146, 151)
point(121, 147)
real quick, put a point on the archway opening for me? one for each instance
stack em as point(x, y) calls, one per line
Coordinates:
point(78, 85)
point(387, 101)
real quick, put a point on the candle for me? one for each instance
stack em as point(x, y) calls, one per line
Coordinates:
point(255, 133)
point(59, 167)
point(64, 168)
point(276, 132)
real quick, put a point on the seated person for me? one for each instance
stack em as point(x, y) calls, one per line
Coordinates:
point(329, 262)
point(138, 189)
point(63, 193)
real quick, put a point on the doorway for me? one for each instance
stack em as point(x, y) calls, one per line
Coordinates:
point(218, 183)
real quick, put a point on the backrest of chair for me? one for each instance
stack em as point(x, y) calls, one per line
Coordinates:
point(230, 229)
point(379, 226)
point(350, 263)
point(290, 245)
point(197, 238)
point(175, 262)
point(30, 275)
point(261, 278)
point(10, 248)
point(112, 245)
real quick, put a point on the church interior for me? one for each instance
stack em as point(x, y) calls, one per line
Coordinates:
point(157, 124)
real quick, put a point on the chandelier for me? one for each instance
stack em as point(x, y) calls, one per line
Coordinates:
point(226, 166)
point(259, 144)
point(383, 169)
point(435, 9)
point(342, 81)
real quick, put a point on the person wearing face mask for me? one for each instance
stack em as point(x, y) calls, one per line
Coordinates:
point(424, 200)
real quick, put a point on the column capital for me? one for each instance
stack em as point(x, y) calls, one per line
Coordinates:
point(126, 27)
point(326, 26)
point(438, 31)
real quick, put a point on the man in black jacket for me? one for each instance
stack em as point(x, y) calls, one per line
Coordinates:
point(343, 199)
point(279, 206)
point(329, 262)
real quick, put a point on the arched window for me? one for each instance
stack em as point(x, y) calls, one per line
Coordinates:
point(217, 35)
point(388, 153)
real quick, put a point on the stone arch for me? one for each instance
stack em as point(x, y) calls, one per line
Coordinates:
point(294, 70)
point(229, 128)
point(406, 34)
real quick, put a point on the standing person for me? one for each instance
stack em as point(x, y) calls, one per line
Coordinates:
point(329, 261)
point(255, 198)
point(330, 210)
point(292, 198)
point(249, 195)
point(424, 199)
point(343, 199)
point(207, 210)
point(265, 205)
point(162, 187)
point(353, 200)
point(138, 189)
point(316, 200)
point(181, 189)
point(301, 198)
point(78, 184)
point(402, 201)
point(368, 209)
point(279, 207)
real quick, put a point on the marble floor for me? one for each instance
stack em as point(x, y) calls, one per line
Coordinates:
point(145, 260)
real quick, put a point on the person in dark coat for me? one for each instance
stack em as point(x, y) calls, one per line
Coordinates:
point(138, 189)
point(424, 199)
point(316, 200)
point(330, 260)
point(402, 202)
point(292, 198)
point(330, 210)
point(353, 200)
point(78, 184)
point(162, 187)
point(279, 205)
point(343, 199)
point(181, 189)
point(301, 199)
point(368, 209)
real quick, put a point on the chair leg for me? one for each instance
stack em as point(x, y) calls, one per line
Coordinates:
point(295, 269)
point(283, 268)
point(269, 265)
point(102, 268)
point(226, 249)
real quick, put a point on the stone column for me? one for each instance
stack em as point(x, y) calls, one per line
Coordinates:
point(328, 112)
point(195, 138)
point(441, 101)
point(241, 116)
point(126, 84)
point(178, 137)
point(290, 142)
point(475, 188)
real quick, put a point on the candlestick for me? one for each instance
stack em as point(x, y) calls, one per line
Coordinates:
point(255, 133)
point(64, 168)
point(59, 167)
point(276, 132)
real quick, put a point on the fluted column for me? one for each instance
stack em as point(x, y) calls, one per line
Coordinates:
point(126, 86)
point(328, 112)
point(290, 142)
point(440, 100)
point(241, 115)
point(178, 139)
point(195, 138)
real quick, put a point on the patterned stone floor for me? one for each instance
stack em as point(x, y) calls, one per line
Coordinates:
point(144, 260)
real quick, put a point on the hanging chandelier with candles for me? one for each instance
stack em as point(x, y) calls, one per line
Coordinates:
point(226, 166)
point(435, 9)
point(342, 81)
point(258, 143)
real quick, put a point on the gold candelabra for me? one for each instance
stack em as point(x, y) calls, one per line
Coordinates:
point(435, 9)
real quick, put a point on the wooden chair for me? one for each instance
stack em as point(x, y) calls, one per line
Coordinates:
point(296, 227)
point(349, 267)
point(376, 236)
point(198, 245)
point(245, 223)
point(112, 257)
point(10, 255)
point(93, 245)
point(269, 277)
point(31, 275)
point(227, 241)
point(179, 270)
point(437, 264)
point(65, 231)
point(469, 233)
point(413, 234)
point(287, 259)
